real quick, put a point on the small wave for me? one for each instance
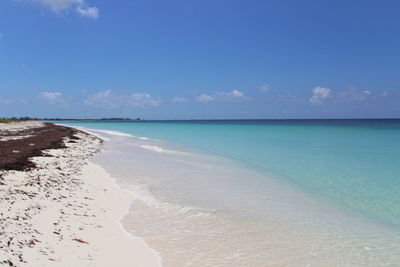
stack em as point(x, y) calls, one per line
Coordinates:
point(143, 138)
point(193, 210)
point(200, 214)
point(153, 148)
point(141, 193)
point(159, 149)
point(184, 210)
point(116, 133)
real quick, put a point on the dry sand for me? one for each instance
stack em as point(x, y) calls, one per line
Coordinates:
point(17, 130)
point(66, 212)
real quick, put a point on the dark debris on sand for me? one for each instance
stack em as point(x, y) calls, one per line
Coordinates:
point(25, 196)
point(15, 154)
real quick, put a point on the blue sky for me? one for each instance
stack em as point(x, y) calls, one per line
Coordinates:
point(192, 59)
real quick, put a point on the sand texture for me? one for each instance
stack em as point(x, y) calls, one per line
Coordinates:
point(65, 210)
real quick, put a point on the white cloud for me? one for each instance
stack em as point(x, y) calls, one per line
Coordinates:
point(178, 99)
point(319, 95)
point(104, 99)
point(52, 97)
point(353, 94)
point(234, 95)
point(59, 5)
point(108, 99)
point(142, 100)
point(78, 6)
point(264, 88)
point(367, 92)
point(206, 98)
point(91, 12)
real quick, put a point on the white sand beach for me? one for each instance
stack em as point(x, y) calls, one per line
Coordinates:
point(66, 212)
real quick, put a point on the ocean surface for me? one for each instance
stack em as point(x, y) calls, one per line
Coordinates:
point(260, 192)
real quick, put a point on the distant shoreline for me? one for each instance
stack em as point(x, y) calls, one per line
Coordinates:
point(7, 120)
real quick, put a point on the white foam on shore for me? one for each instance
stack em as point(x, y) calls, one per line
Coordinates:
point(153, 148)
point(159, 149)
point(115, 133)
point(96, 132)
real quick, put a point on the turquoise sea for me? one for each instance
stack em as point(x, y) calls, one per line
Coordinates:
point(294, 192)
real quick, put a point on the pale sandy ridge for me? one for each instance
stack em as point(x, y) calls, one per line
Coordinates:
point(17, 130)
point(66, 212)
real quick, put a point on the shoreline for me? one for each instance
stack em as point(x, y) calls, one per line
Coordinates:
point(61, 209)
point(188, 232)
point(327, 239)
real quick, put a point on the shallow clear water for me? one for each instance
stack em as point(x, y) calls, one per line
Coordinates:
point(247, 193)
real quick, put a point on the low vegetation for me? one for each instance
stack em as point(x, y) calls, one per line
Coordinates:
point(5, 121)
point(10, 119)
